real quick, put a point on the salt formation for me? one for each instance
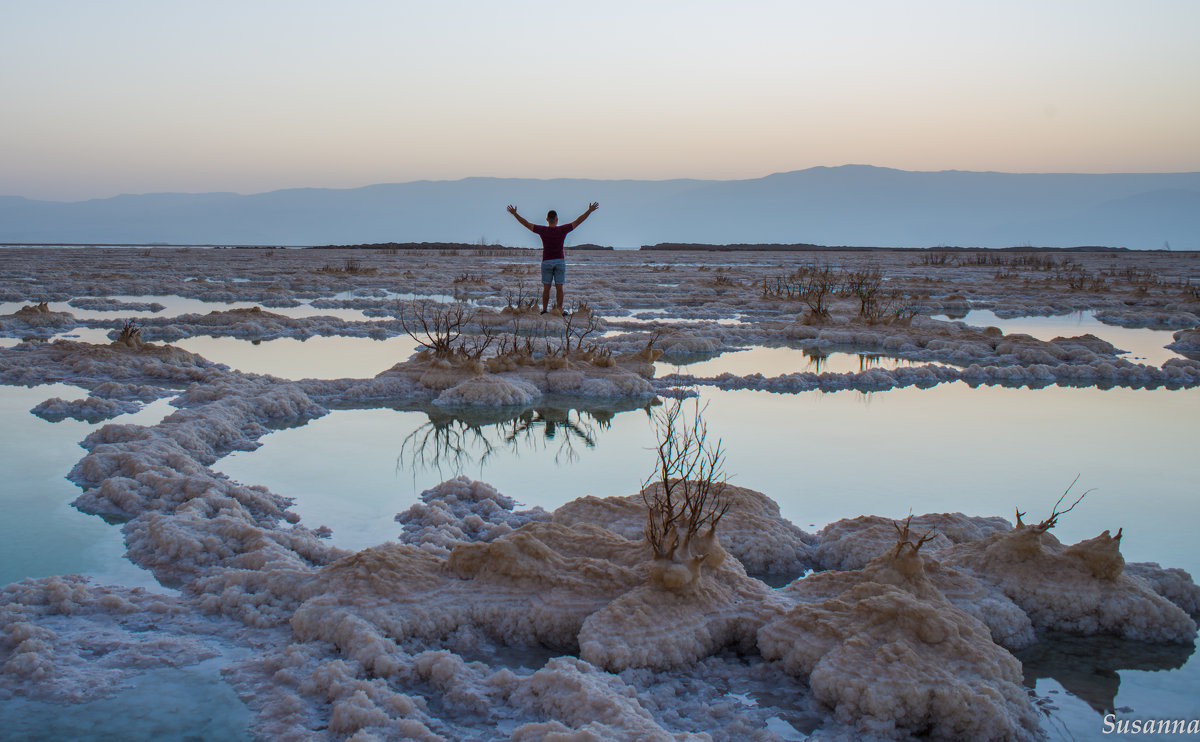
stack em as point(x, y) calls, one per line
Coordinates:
point(752, 530)
point(462, 511)
point(92, 409)
point(894, 636)
point(1172, 583)
point(885, 649)
point(254, 323)
point(36, 321)
point(1081, 588)
point(72, 641)
point(1186, 341)
point(104, 304)
point(853, 542)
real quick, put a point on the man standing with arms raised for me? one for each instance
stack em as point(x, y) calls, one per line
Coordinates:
point(554, 261)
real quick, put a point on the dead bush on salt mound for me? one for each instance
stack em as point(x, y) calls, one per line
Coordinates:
point(1080, 589)
point(892, 657)
point(853, 542)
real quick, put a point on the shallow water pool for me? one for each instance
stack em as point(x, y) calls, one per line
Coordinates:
point(41, 534)
point(316, 357)
point(768, 361)
point(1140, 345)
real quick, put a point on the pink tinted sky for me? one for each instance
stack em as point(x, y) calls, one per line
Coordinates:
point(141, 96)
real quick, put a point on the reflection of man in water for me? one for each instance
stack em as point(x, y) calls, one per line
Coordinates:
point(554, 263)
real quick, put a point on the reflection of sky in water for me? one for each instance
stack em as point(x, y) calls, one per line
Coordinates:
point(759, 359)
point(41, 534)
point(96, 335)
point(354, 470)
point(1141, 345)
point(660, 316)
point(314, 358)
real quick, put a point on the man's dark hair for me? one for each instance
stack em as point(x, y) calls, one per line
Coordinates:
point(551, 214)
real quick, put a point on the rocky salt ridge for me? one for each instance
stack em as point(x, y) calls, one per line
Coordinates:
point(953, 351)
point(394, 640)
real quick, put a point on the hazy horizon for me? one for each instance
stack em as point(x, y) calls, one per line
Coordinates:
point(599, 180)
point(134, 97)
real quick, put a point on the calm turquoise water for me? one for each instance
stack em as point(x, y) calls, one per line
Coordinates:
point(41, 534)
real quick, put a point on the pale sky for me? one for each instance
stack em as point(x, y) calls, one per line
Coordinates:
point(103, 98)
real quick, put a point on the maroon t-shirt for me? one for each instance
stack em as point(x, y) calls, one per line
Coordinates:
point(552, 239)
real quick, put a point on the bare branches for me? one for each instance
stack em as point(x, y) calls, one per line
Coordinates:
point(1055, 513)
point(904, 538)
point(578, 325)
point(131, 334)
point(683, 493)
point(435, 326)
point(473, 347)
point(520, 301)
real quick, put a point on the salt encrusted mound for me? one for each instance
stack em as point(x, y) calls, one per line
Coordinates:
point(584, 703)
point(461, 510)
point(532, 587)
point(91, 409)
point(659, 628)
point(89, 366)
point(892, 657)
point(1104, 372)
point(130, 469)
point(130, 392)
point(66, 640)
point(1172, 583)
point(1079, 589)
point(1164, 318)
point(1186, 341)
point(256, 324)
point(1008, 624)
point(492, 391)
point(752, 531)
point(105, 304)
point(853, 542)
point(36, 321)
point(682, 344)
point(497, 381)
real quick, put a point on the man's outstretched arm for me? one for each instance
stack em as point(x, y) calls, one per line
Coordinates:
point(513, 210)
point(579, 219)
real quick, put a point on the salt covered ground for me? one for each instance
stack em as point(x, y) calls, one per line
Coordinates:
point(483, 620)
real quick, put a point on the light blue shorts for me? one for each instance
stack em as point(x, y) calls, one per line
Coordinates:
point(554, 271)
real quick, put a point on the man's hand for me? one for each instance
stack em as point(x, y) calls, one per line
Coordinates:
point(513, 210)
point(579, 219)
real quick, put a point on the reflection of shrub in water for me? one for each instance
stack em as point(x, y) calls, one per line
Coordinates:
point(1088, 667)
point(454, 442)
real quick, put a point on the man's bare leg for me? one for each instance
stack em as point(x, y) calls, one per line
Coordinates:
point(546, 295)
point(558, 294)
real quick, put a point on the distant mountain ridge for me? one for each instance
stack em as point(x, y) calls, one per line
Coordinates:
point(847, 205)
